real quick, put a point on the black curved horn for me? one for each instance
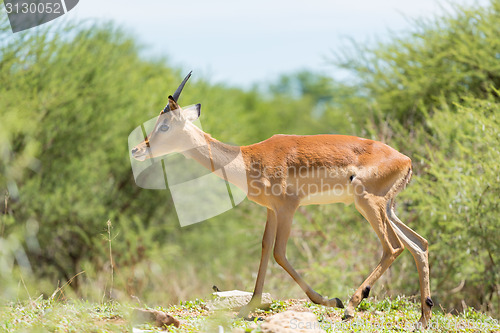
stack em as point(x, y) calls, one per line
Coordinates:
point(177, 93)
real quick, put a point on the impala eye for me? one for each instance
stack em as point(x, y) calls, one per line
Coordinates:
point(164, 128)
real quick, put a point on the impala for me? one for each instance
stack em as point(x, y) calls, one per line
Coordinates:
point(288, 171)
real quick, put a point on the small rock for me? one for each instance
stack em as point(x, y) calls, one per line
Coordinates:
point(235, 300)
point(292, 321)
point(159, 318)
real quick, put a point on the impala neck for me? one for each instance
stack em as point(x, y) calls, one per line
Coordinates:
point(226, 161)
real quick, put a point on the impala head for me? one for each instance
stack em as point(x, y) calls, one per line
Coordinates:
point(171, 132)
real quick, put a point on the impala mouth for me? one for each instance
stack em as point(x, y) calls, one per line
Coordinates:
point(140, 155)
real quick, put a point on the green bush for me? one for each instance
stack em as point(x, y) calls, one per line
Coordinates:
point(456, 201)
point(432, 94)
point(69, 97)
point(443, 57)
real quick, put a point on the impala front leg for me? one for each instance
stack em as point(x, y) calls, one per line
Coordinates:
point(285, 217)
point(267, 244)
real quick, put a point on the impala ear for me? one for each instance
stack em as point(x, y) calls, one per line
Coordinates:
point(193, 113)
point(172, 104)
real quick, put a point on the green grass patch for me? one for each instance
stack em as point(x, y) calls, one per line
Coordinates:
point(386, 315)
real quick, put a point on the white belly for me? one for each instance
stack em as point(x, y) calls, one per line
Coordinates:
point(343, 195)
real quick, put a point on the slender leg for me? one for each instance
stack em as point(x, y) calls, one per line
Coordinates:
point(285, 216)
point(418, 247)
point(267, 244)
point(373, 209)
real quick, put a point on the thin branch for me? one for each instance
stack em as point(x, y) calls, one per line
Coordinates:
point(485, 239)
point(110, 258)
point(6, 210)
point(60, 289)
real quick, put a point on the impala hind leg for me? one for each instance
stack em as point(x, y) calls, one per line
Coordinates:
point(418, 247)
point(267, 244)
point(373, 209)
point(285, 217)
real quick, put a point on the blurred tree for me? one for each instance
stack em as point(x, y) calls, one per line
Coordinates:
point(450, 56)
point(433, 94)
point(69, 97)
point(456, 201)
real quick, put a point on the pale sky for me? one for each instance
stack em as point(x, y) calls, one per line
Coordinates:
point(244, 42)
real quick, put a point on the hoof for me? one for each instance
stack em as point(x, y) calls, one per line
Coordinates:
point(347, 317)
point(334, 303)
point(339, 303)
